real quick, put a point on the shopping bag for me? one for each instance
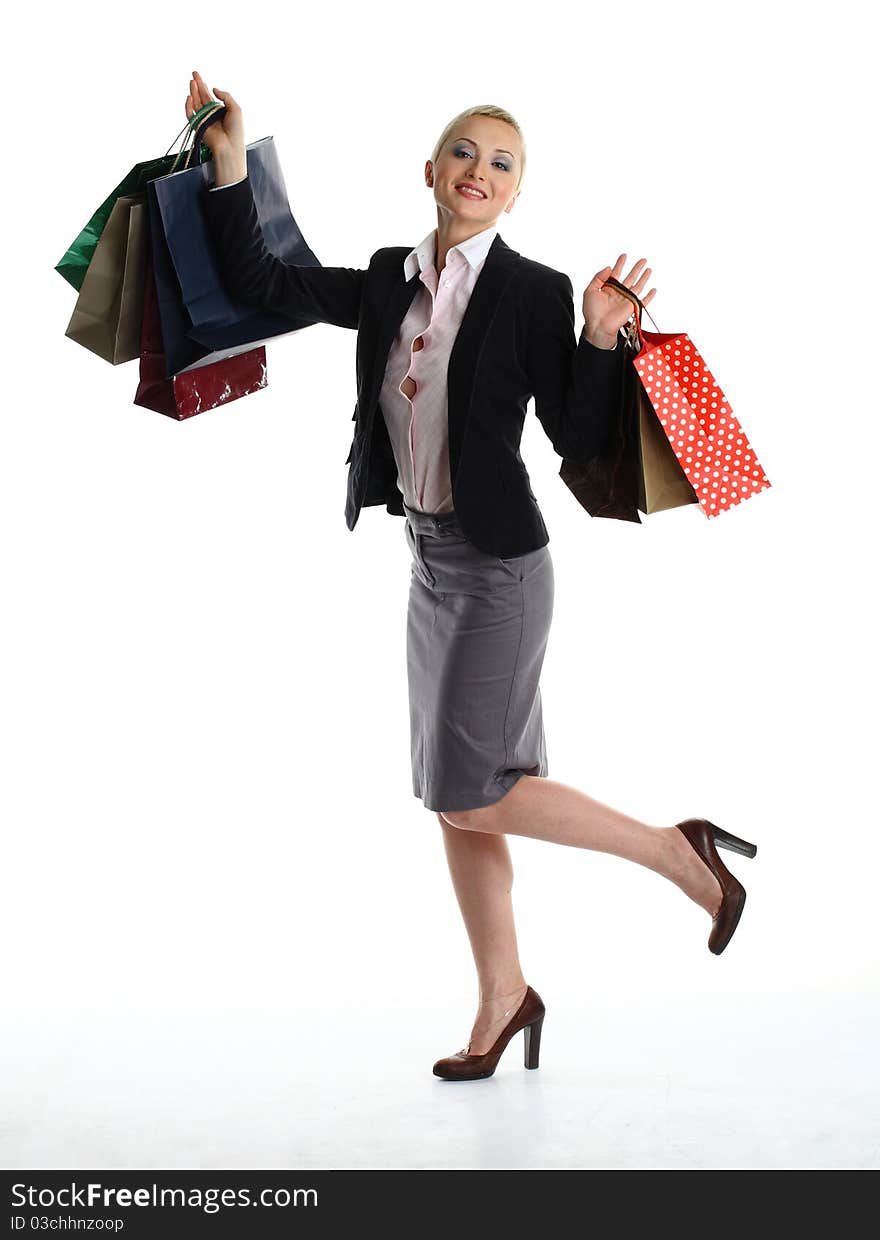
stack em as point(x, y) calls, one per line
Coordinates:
point(178, 348)
point(609, 484)
point(107, 314)
point(198, 314)
point(705, 435)
point(662, 481)
point(181, 352)
point(709, 460)
point(76, 259)
point(207, 387)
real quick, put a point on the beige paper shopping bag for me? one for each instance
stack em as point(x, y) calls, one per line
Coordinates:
point(662, 481)
point(107, 315)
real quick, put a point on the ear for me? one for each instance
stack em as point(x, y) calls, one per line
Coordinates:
point(429, 173)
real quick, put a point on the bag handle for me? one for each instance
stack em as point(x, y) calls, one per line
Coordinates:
point(635, 333)
point(200, 121)
point(196, 125)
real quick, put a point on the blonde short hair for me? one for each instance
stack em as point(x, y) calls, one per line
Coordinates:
point(486, 109)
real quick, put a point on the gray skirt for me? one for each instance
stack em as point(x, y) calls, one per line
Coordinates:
point(477, 628)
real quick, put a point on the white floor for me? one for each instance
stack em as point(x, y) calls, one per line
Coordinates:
point(787, 1084)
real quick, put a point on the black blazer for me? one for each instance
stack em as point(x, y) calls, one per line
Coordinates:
point(516, 340)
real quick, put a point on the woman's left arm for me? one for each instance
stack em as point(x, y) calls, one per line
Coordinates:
point(576, 383)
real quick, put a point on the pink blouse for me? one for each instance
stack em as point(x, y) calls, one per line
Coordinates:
point(414, 393)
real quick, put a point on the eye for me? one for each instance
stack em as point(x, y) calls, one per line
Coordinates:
point(499, 163)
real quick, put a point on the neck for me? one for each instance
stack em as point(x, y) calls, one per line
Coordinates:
point(451, 231)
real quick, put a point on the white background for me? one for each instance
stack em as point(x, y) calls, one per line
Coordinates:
point(230, 935)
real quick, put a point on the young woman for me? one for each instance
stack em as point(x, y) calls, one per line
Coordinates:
point(455, 336)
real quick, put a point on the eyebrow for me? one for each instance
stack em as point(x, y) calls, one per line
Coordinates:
point(497, 148)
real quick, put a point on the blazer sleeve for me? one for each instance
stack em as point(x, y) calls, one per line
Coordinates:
point(254, 276)
point(576, 384)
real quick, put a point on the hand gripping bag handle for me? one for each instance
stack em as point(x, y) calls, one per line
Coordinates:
point(633, 331)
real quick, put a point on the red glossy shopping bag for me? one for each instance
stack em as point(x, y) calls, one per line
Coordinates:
point(193, 391)
point(705, 434)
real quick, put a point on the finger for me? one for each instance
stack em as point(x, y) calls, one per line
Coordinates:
point(642, 281)
point(204, 95)
point(629, 279)
point(618, 267)
point(195, 94)
point(599, 282)
point(601, 277)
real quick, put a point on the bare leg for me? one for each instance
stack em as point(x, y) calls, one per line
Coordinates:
point(544, 809)
point(482, 875)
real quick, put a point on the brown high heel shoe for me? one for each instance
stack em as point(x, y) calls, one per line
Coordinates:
point(703, 836)
point(529, 1017)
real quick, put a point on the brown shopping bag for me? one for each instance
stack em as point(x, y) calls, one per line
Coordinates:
point(107, 316)
point(610, 483)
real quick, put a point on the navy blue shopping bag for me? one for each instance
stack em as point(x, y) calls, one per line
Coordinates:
point(200, 320)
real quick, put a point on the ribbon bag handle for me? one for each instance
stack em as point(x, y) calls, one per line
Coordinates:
point(192, 155)
point(633, 331)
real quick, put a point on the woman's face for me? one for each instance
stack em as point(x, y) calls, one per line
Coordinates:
point(482, 152)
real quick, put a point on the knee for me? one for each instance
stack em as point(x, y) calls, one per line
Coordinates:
point(469, 819)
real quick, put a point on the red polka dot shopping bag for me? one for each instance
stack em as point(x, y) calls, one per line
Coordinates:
point(675, 441)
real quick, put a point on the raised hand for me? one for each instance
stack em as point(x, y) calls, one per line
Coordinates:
point(605, 309)
point(225, 139)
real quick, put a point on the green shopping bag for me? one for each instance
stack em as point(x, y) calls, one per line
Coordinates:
point(75, 263)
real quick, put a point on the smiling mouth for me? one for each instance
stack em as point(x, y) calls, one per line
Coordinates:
point(467, 192)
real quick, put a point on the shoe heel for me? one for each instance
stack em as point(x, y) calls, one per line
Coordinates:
point(532, 1037)
point(732, 842)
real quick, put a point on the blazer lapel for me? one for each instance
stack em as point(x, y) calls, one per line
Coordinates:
point(396, 307)
point(498, 270)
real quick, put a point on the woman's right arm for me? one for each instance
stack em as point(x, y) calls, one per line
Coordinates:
point(249, 271)
point(258, 278)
